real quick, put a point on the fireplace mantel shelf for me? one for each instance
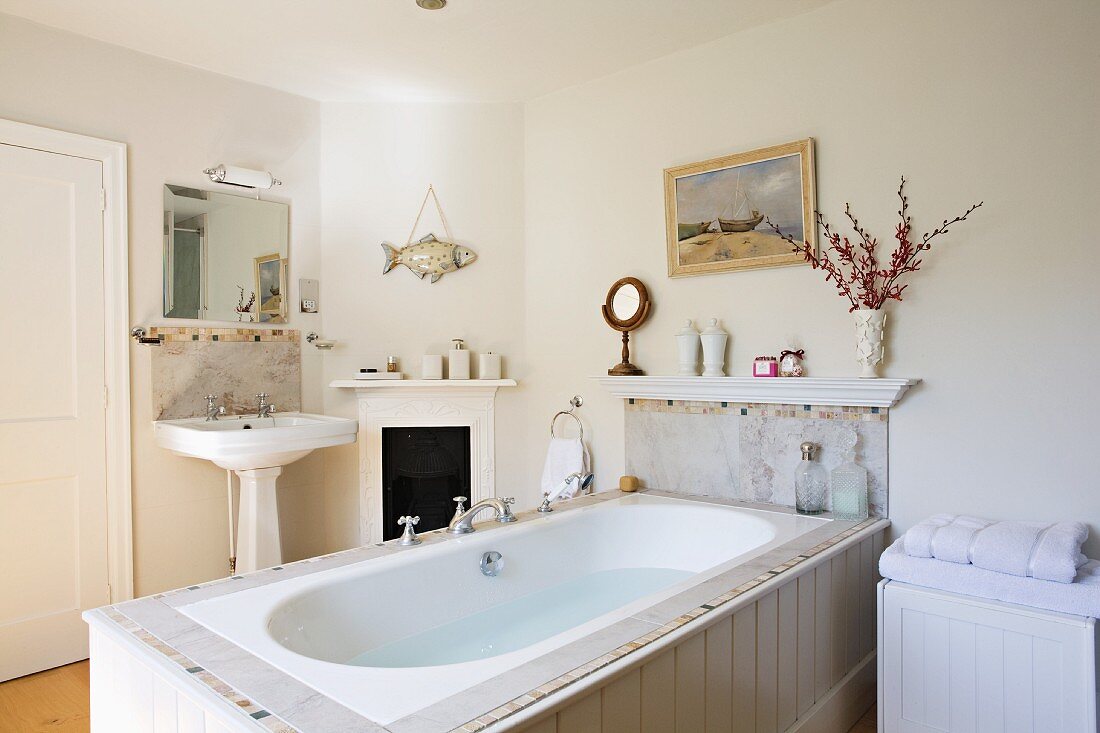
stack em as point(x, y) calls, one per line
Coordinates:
point(763, 390)
point(443, 385)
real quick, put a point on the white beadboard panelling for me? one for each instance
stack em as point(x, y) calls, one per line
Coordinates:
point(719, 677)
point(767, 663)
point(658, 694)
point(583, 716)
point(622, 704)
point(953, 663)
point(129, 694)
point(744, 667)
point(755, 668)
point(787, 702)
point(690, 687)
point(807, 651)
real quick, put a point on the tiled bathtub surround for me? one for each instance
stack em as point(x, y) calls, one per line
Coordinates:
point(733, 450)
point(259, 691)
point(233, 363)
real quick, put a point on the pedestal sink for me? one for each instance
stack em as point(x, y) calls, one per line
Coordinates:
point(256, 449)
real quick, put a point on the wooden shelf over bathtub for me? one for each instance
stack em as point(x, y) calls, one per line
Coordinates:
point(763, 390)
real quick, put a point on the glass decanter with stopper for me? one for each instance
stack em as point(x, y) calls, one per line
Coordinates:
point(848, 484)
point(810, 482)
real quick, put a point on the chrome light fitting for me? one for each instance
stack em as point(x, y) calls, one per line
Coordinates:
point(232, 175)
point(432, 4)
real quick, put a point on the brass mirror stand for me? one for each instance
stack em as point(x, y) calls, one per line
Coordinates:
point(624, 316)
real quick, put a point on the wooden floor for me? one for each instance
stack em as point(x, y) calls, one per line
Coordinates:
point(868, 723)
point(54, 701)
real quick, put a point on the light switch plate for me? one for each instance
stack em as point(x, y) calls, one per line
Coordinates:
point(309, 292)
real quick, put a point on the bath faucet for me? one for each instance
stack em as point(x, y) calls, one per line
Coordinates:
point(464, 523)
point(213, 410)
point(263, 409)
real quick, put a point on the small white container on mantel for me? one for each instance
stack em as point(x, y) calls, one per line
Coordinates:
point(714, 349)
point(489, 366)
point(432, 366)
point(458, 361)
point(687, 348)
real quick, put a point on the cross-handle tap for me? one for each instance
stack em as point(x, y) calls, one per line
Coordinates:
point(213, 409)
point(263, 409)
point(461, 508)
point(409, 538)
point(507, 516)
point(464, 523)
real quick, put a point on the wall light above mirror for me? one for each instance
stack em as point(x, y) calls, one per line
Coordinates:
point(225, 257)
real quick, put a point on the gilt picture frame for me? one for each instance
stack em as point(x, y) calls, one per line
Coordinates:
point(717, 211)
point(271, 288)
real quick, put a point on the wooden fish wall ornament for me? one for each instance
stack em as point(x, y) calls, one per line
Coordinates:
point(429, 255)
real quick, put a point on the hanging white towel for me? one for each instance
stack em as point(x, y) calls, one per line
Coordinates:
point(1048, 551)
point(564, 456)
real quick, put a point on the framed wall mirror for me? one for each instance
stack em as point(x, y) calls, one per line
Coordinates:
point(225, 256)
point(626, 308)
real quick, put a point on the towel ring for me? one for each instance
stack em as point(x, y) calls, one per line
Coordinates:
point(575, 402)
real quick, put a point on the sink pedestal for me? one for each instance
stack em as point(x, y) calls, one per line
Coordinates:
point(258, 544)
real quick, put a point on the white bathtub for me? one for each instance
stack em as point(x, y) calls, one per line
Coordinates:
point(391, 635)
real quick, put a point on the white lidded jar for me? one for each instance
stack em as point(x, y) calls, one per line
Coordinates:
point(714, 349)
point(848, 484)
point(687, 347)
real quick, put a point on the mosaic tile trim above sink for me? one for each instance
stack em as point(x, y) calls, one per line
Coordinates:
point(172, 334)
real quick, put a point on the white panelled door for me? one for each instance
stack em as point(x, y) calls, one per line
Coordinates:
point(53, 511)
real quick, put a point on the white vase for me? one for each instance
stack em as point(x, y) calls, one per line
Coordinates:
point(869, 346)
point(687, 346)
point(714, 349)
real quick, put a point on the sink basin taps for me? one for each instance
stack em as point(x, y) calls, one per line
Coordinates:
point(213, 409)
point(263, 409)
point(464, 522)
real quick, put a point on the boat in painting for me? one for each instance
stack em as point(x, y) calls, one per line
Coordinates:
point(687, 231)
point(738, 203)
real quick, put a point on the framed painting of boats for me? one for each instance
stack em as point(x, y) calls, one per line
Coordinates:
point(717, 211)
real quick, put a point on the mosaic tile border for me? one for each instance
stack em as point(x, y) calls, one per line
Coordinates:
point(265, 718)
point(532, 696)
point(176, 334)
point(750, 409)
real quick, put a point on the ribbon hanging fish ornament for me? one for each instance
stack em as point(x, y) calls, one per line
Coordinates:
point(428, 256)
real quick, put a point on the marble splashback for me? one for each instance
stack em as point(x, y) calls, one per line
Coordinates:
point(233, 363)
point(749, 452)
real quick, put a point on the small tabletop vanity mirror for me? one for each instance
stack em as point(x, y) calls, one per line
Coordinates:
point(626, 308)
point(225, 256)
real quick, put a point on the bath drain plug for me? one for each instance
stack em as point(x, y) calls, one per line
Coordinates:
point(492, 563)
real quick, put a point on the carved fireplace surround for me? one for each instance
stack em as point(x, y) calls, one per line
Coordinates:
point(422, 403)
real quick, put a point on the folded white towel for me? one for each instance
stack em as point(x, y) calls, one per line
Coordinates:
point(1048, 551)
point(1081, 597)
point(563, 457)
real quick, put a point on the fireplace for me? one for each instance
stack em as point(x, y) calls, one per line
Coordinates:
point(439, 405)
point(423, 469)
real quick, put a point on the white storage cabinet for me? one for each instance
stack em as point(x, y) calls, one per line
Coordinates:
point(955, 663)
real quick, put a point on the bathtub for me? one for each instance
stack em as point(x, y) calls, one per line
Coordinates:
point(391, 635)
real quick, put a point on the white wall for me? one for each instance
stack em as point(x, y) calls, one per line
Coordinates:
point(377, 162)
point(177, 120)
point(972, 100)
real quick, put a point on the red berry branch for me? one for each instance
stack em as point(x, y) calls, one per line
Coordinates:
point(855, 270)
